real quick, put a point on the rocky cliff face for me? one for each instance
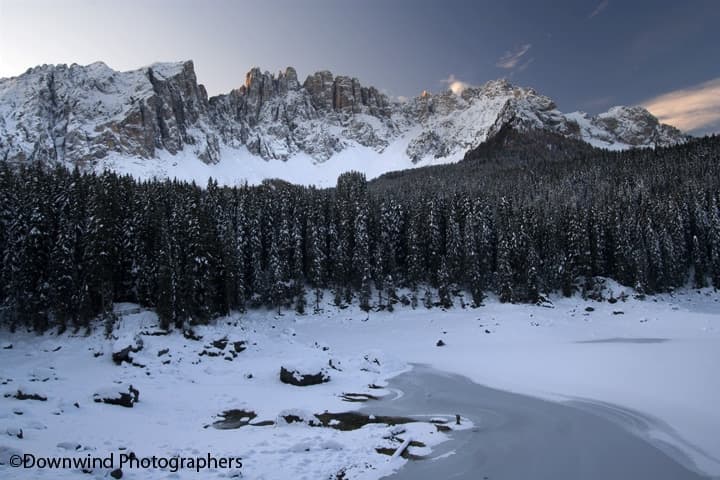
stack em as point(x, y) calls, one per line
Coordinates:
point(78, 114)
point(81, 114)
point(276, 117)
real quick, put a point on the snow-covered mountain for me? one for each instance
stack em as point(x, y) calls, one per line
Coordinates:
point(158, 121)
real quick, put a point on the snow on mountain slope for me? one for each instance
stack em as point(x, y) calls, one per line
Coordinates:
point(158, 121)
point(238, 165)
point(623, 127)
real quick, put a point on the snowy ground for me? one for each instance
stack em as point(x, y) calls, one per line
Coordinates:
point(238, 166)
point(668, 372)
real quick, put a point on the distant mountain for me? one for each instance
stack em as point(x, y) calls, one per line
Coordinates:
point(158, 121)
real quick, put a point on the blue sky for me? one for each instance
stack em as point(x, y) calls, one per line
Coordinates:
point(585, 54)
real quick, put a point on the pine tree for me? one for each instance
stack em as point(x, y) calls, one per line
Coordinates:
point(504, 270)
point(257, 278)
point(714, 241)
point(428, 299)
point(455, 257)
point(28, 249)
point(444, 294)
point(316, 253)
point(301, 300)
point(361, 255)
point(64, 285)
point(275, 276)
point(100, 255)
point(532, 287)
point(392, 298)
point(436, 242)
point(169, 309)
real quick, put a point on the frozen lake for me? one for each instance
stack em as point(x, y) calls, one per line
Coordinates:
point(517, 436)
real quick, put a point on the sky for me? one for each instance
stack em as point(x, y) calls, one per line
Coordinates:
point(586, 55)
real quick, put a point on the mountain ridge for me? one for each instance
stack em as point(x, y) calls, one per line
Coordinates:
point(159, 121)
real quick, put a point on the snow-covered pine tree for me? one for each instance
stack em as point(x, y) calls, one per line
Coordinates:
point(66, 254)
point(444, 293)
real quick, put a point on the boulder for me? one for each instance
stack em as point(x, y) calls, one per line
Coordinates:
point(20, 395)
point(235, 418)
point(293, 376)
point(122, 395)
point(190, 335)
point(124, 347)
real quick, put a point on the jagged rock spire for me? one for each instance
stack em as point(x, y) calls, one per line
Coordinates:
point(80, 114)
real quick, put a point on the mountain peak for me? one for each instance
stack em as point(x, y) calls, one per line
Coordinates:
point(169, 69)
point(94, 116)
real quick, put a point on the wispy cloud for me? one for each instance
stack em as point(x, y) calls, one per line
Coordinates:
point(524, 65)
point(455, 84)
point(511, 58)
point(696, 108)
point(599, 9)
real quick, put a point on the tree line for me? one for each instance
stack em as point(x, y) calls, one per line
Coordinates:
point(531, 215)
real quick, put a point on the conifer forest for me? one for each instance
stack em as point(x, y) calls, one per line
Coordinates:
point(521, 216)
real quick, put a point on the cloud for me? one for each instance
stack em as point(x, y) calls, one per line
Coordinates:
point(598, 10)
point(696, 108)
point(456, 85)
point(525, 65)
point(512, 57)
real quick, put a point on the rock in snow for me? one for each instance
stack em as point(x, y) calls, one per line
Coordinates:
point(80, 115)
point(69, 445)
point(22, 395)
point(301, 378)
point(123, 395)
point(124, 347)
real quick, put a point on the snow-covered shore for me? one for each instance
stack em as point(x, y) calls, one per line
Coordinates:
point(658, 356)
